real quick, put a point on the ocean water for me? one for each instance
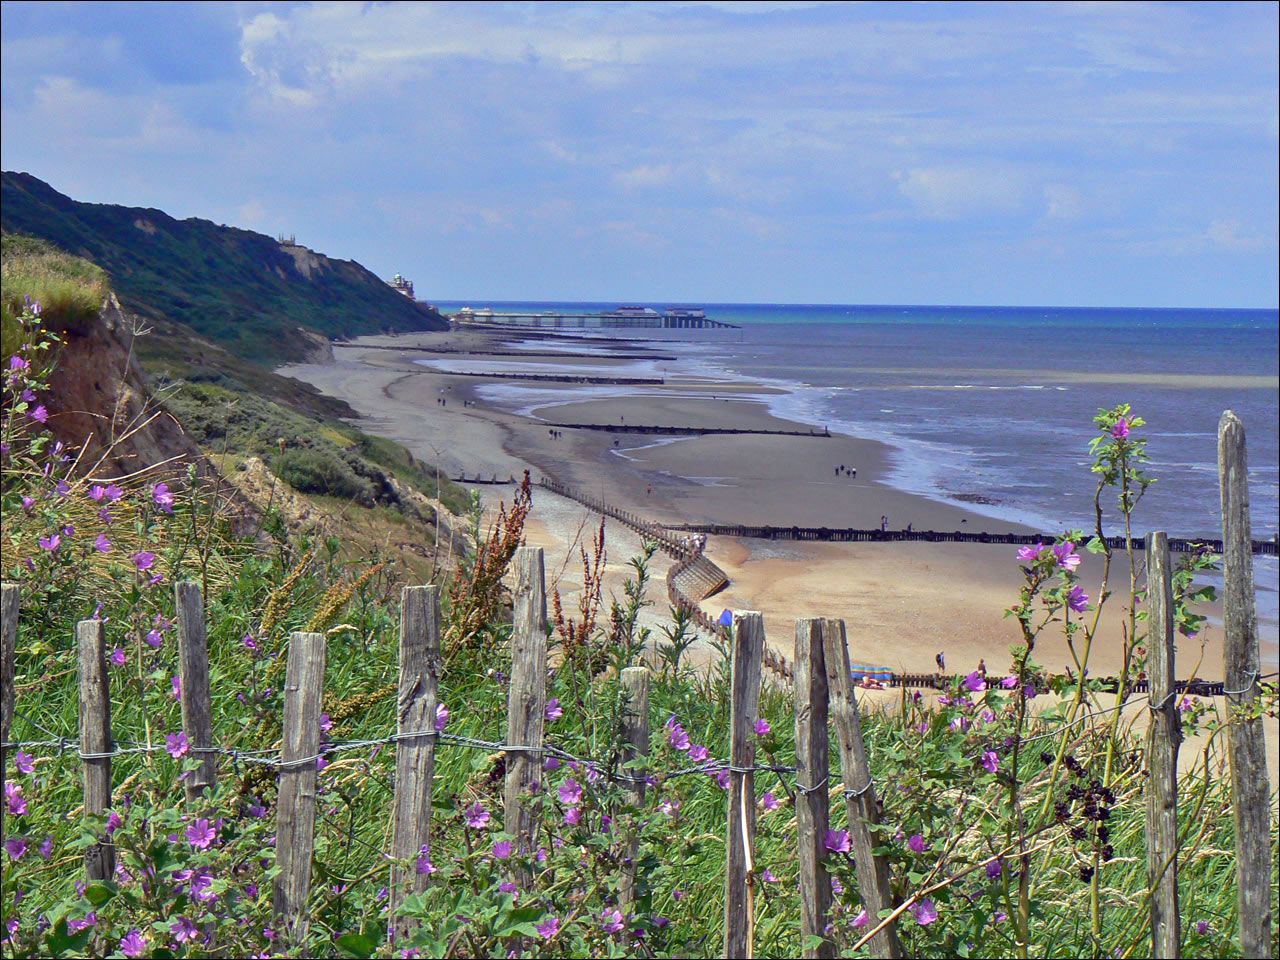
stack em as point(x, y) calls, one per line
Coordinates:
point(992, 407)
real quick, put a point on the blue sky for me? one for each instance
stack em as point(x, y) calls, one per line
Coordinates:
point(1088, 153)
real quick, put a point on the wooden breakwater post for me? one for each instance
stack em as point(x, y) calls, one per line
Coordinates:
point(193, 672)
point(635, 739)
point(859, 791)
point(1163, 737)
point(527, 703)
point(813, 766)
point(95, 740)
point(296, 802)
point(739, 877)
point(1246, 744)
point(9, 599)
point(420, 667)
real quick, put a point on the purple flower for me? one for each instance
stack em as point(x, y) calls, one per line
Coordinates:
point(424, 865)
point(1202, 927)
point(113, 822)
point(113, 492)
point(769, 801)
point(1066, 556)
point(200, 834)
point(133, 943)
point(1029, 554)
point(46, 848)
point(97, 492)
point(698, 753)
point(1001, 916)
point(924, 911)
point(670, 807)
point(162, 497)
point(768, 876)
point(611, 921)
point(677, 735)
point(90, 920)
point(502, 849)
point(762, 727)
point(14, 802)
point(554, 710)
point(19, 363)
point(1009, 683)
point(50, 542)
point(16, 847)
point(27, 504)
point(549, 928)
point(571, 792)
point(994, 869)
point(177, 744)
point(39, 414)
point(1121, 429)
point(506, 886)
point(442, 717)
point(975, 683)
point(144, 560)
point(475, 816)
point(326, 723)
point(861, 920)
point(722, 778)
point(837, 841)
point(102, 544)
point(573, 816)
point(990, 762)
point(916, 844)
point(184, 930)
point(25, 762)
point(1077, 599)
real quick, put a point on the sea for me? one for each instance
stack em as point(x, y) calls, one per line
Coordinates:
point(992, 407)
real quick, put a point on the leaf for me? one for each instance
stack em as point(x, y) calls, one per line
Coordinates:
point(361, 944)
point(62, 944)
point(100, 894)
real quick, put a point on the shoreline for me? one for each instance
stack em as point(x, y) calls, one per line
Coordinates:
point(903, 602)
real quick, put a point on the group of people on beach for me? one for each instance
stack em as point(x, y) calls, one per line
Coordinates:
point(851, 472)
point(556, 434)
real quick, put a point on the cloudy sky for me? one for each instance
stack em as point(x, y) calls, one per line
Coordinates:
point(1084, 153)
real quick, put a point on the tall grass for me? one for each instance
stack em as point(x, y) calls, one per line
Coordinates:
point(70, 290)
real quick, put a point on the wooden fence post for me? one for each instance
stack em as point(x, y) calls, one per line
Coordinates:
point(635, 737)
point(859, 791)
point(296, 801)
point(1246, 746)
point(813, 766)
point(739, 877)
point(526, 708)
point(420, 667)
point(193, 668)
point(1163, 737)
point(9, 597)
point(95, 740)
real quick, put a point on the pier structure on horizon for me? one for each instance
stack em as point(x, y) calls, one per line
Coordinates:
point(625, 317)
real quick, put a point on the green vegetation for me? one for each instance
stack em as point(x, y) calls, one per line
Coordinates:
point(69, 290)
point(240, 289)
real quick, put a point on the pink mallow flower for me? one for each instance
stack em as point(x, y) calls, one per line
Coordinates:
point(571, 792)
point(1077, 599)
point(925, 912)
point(442, 717)
point(144, 560)
point(548, 928)
point(162, 497)
point(133, 943)
point(1121, 429)
point(177, 744)
point(475, 816)
point(554, 711)
point(762, 727)
point(611, 921)
point(201, 833)
point(1065, 554)
point(1029, 554)
point(916, 844)
point(102, 544)
point(975, 683)
point(837, 841)
point(15, 804)
point(990, 762)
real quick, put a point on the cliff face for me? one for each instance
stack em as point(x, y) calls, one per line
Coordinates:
point(261, 299)
point(98, 400)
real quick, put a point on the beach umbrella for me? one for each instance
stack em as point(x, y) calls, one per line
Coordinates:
point(726, 618)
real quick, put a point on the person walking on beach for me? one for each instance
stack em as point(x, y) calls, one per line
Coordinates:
point(941, 661)
point(884, 523)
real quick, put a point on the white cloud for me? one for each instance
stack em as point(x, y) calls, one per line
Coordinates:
point(645, 175)
point(953, 193)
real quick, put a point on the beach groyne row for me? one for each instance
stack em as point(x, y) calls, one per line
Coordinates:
point(856, 535)
point(558, 378)
point(461, 351)
point(685, 431)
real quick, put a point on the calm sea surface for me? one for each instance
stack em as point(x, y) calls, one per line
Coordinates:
point(997, 402)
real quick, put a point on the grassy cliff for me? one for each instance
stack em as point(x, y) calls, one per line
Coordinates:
point(242, 290)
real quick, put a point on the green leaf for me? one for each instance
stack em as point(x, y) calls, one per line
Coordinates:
point(361, 944)
point(100, 894)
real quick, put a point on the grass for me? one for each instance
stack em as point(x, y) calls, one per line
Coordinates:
point(70, 290)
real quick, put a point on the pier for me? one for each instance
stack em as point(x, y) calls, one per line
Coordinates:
point(624, 318)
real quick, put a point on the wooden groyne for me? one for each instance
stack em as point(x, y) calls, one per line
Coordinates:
point(1266, 548)
point(557, 377)
point(685, 431)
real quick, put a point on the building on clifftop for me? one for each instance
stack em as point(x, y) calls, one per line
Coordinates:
point(401, 285)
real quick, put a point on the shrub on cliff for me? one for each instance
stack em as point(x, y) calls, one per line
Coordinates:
point(312, 471)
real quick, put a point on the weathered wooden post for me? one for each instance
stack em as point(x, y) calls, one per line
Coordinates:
point(95, 740)
point(420, 666)
point(739, 877)
point(9, 597)
point(813, 765)
point(1163, 737)
point(859, 791)
point(296, 802)
point(193, 669)
point(526, 708)
point(1246, 745)
point(635, 737)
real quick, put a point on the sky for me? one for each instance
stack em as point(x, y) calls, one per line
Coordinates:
point(1088, 154)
